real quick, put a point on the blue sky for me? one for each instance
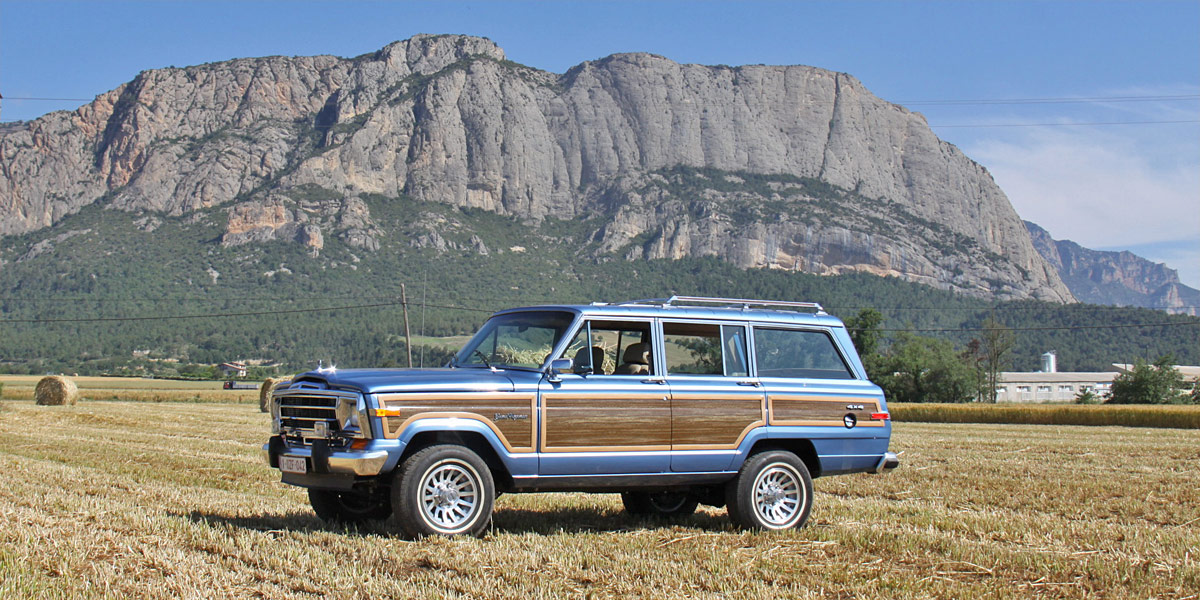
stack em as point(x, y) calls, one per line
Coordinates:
point(1133, 186)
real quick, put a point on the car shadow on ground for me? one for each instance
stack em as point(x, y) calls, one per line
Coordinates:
point(505, 520)
point(579, 520)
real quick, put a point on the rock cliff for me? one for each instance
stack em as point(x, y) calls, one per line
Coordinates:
point(789, 167)
point(1115, 278)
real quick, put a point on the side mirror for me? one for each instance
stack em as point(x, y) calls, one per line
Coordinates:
point(559, 366)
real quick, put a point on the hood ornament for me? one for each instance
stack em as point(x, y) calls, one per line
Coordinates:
point(331, 369)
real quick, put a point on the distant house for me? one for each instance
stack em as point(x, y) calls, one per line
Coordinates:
point(233, 369)
point(1063, 387)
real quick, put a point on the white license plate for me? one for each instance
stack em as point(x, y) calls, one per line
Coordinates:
point(293, 464)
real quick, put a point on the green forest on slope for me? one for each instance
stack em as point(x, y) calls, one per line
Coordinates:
point(67, 294)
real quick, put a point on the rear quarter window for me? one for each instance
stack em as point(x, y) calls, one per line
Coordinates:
point(800, 353)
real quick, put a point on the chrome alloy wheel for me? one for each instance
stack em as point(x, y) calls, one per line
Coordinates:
point(778, 496)
point(449, 496)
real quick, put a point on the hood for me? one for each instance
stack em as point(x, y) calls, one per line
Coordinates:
point(374, 381)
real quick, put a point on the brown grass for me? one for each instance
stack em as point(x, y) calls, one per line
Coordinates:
point(172, 500)
point(1183, 417)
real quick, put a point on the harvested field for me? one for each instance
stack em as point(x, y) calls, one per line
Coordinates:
point(119, 499)
point(20, 387)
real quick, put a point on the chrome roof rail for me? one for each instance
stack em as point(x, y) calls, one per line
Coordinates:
point(729, 302)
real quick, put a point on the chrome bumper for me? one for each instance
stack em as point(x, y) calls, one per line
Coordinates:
point(889, 461)
point(363, 464)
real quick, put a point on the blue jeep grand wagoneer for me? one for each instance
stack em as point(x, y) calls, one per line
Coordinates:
point(670, 402)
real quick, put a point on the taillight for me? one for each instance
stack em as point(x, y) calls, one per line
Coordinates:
point(880, 416)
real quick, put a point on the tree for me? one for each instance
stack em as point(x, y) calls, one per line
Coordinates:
point(1157, 383)
point(865, 334)
point(922, 369)
point(864, 331)
point(994, 346)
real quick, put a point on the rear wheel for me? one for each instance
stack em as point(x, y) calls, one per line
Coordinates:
point(443, 490)
point(348, 507)
point(773, 490)
point(659, 504)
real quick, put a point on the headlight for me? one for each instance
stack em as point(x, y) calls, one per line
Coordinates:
point(274, 406)
point(351, 416)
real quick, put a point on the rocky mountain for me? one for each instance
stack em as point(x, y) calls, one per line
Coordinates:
point(1115, 278)
point(789, 167)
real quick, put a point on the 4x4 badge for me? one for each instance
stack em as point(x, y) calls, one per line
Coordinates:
point(850, 420)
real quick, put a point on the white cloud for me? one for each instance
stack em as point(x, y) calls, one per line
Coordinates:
point(1127, 187)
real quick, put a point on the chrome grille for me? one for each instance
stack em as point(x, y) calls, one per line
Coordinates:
point(299, 413)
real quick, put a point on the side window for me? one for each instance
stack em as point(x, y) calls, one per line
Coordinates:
point(611, 348)
point(798, 353)
point(702, 349)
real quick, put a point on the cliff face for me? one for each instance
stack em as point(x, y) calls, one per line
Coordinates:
point(789, 167)
point(1115, 278)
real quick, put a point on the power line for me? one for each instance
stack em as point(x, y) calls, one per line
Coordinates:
point(1058, 100)
point(1088, 124)
point(489, 311)
point(968, 102)
point(49, 99)
point(203, 316)
point(1046, 328)
point(394, 302)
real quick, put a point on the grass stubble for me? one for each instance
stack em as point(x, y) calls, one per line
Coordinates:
point(114, 500)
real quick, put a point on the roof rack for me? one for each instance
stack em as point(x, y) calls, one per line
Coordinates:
point(744, 303)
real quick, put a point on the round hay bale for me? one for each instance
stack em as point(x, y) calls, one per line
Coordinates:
point(56, 391)
point(264, 393)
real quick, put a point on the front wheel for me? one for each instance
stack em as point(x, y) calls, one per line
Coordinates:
point(659, 504)
point(348, 507)
point(443, 490)
point(773, 490)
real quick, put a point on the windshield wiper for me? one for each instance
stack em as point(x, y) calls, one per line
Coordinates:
point(484, 359)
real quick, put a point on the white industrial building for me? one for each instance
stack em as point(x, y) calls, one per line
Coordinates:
point(1049, 385)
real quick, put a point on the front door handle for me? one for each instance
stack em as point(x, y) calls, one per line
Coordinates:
point(658, 380)
point(752, 382)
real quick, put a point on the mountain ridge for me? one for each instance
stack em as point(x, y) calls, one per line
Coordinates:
point(1115, 278)
point(449, 119)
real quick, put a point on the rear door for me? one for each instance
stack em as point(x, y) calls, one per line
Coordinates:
point(714, 401)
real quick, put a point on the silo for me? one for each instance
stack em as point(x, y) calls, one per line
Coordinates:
point(1050, 362)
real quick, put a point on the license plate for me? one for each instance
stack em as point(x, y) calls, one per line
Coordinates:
point(293, 464)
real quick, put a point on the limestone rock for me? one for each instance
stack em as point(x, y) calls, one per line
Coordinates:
point(288, 143)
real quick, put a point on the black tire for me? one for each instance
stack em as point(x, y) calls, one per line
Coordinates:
point(773, 490)
point(348, 507)
point(659, 504)
point(443, 490)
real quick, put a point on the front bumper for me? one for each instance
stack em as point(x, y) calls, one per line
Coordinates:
point(322, 460)
point(889, 461)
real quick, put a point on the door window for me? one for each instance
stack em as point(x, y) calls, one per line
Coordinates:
point(705, 349)
point(612, 348)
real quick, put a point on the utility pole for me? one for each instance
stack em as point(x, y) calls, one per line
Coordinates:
point(407, 335)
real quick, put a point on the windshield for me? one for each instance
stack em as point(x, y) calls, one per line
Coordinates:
point(523, 339)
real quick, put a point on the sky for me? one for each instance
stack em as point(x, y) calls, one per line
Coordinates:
point(1086, 113)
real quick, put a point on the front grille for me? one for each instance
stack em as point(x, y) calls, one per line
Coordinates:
point(301, 412)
